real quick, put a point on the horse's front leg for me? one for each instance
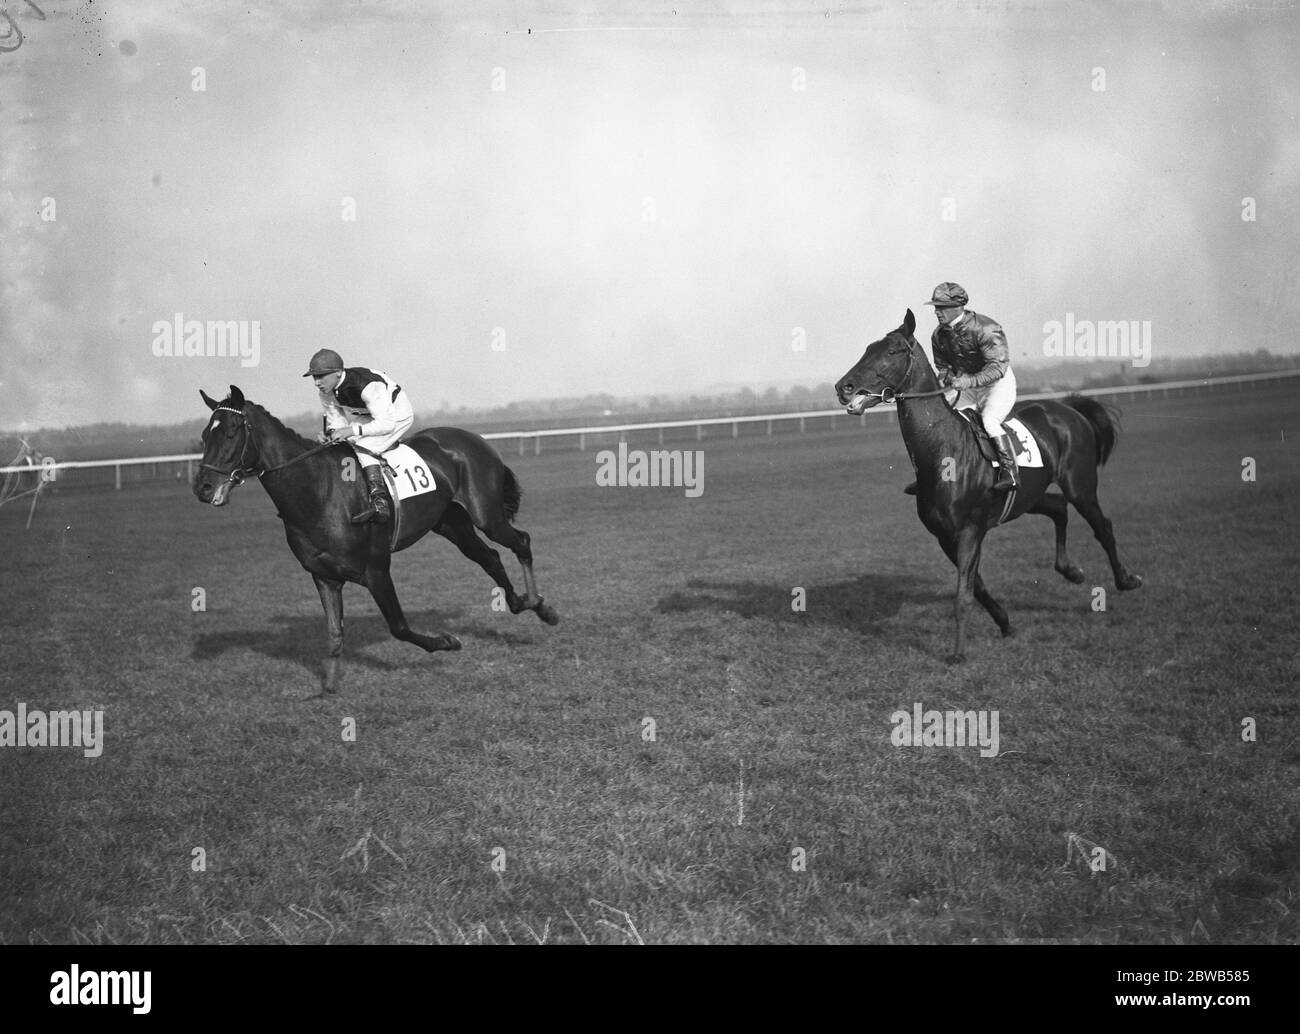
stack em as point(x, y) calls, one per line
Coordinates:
point(331, 598)
point(969, 541)
point(380, 584)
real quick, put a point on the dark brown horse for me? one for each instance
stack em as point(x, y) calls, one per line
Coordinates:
point(315, 498)
point(955, 498)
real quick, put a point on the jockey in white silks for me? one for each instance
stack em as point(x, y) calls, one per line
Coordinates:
point(368, 408)
point(971, 355)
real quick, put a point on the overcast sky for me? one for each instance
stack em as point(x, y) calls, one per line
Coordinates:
point(641, 201)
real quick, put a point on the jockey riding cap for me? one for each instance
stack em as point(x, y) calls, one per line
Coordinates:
point(323, 362)
point(948, 296)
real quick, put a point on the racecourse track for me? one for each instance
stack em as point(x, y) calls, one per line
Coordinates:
point(516, 791)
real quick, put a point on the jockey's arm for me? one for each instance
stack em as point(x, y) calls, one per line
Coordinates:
point(378, 397)
point(941, 367)
point(334, 419)
point(997, 357)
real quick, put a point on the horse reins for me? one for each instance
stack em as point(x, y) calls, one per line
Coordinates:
point(237, 474)
point(889, 395)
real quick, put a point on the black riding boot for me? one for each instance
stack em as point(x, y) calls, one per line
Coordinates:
point(380, 512)
point(1006, 464)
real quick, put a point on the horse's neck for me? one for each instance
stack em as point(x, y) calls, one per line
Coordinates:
point(277, 446)
point(275, 443)
point(930, 427)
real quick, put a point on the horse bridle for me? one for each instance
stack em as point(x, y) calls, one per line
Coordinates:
point(235, 476)
point(890, 395)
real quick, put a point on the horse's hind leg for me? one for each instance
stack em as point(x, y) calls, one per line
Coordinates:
point(996, 611)
point(1082, 492)
point(486, 504)
point(457, 528)
point(502, 532)
point(1053, 505)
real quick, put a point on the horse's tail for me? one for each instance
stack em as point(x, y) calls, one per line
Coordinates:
point(511, 495)
point(1104, 420)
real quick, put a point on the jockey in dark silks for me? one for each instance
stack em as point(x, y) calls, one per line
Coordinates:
point(367, 408)
point(971, 355)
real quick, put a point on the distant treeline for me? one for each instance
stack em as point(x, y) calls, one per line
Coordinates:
point(113, 440)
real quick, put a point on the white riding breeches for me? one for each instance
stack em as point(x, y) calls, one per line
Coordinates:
point(994, 402)
point(380, 443)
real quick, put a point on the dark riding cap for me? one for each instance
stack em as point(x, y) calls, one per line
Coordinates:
point(323, 362)
point(948, 296)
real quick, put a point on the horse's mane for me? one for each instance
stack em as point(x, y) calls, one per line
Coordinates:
point(278, 425)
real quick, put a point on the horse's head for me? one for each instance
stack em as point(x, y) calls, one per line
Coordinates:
point(886, 368)
point(228, 450)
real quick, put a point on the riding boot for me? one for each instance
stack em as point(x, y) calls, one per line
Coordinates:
point(1006, 464)
point(380, 512)
point(910, 489)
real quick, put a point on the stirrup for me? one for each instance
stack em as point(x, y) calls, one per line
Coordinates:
point(373, 513)
point(1005, 478)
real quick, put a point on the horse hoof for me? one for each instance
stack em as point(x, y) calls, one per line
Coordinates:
point(1073, 574)
point(1133, 581)
point(1008, 632)
point(956, 658)
point(445, 642)
point(548, 614)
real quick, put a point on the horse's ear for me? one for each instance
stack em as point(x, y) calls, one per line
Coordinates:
point(211, 403)
point(909, 323)
point(236, 397)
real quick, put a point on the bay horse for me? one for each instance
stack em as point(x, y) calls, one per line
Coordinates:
point(473, 489)
point(955, 498)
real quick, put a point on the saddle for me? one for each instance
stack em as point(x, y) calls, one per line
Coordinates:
point(389, 477)
point(407, 475)
point(972, 417)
